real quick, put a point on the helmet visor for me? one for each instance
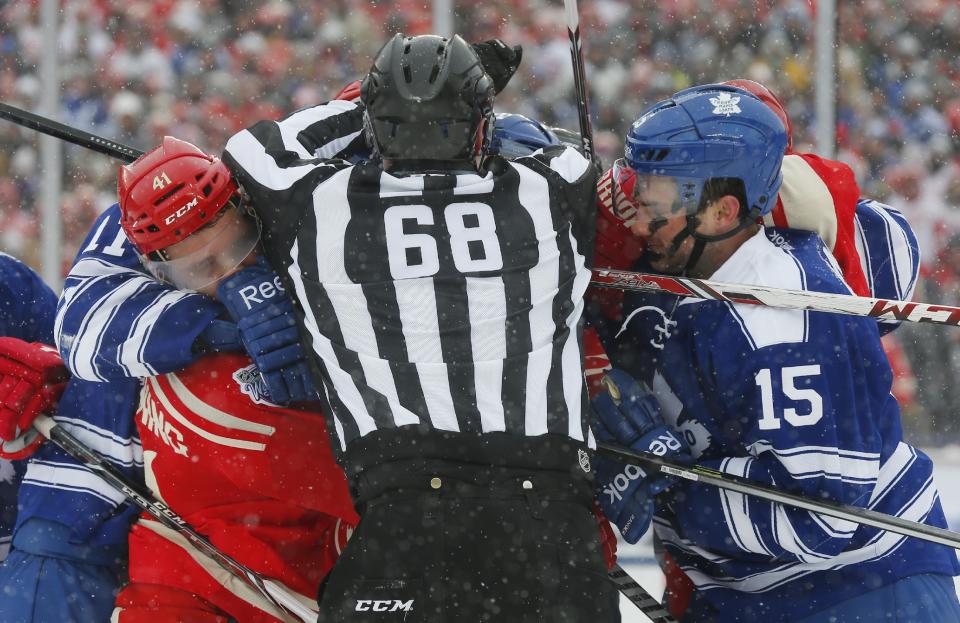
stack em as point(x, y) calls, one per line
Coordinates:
point(649, 197)
point(209, 254)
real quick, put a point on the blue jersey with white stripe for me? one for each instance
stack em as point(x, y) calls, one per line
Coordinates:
point(114, 320)
point(889, 253)
point(797, 399)
point(26, 312)
point(57, 488)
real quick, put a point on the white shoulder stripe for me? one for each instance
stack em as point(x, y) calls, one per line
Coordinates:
point(213, 414)
point(157, 391)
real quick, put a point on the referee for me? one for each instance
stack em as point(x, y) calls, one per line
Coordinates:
point(440, 290)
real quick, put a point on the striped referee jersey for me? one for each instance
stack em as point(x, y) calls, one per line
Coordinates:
point(442, 301)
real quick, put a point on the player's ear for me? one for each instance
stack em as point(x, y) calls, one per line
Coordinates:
point(727, 211)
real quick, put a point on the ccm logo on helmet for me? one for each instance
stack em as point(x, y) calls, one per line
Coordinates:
point(384, 605)
point(189, 206)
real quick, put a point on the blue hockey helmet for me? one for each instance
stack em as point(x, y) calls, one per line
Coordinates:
point(702, 133)
point(516, 135)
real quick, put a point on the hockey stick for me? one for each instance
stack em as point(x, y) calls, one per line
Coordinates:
point(579, 77)
point(623, 280)
point(275, 593)
point(66, 133)
point(746, 486)
point(643, 600)
point(627, 586)
point(881, 309)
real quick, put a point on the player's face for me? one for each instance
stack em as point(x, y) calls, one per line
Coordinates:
point(658, 221)
point(203, 259)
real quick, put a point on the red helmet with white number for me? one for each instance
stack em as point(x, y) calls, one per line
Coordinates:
point(768, 97)
point(170, 192)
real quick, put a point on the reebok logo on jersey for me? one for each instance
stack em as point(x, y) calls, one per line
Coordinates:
point(384, 605)
point(261, 292)
point(182, 211)
point(778, 239)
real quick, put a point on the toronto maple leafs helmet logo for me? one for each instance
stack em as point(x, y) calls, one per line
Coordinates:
point(725, 104)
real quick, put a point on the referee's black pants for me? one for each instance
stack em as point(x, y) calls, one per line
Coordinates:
point(440, 542)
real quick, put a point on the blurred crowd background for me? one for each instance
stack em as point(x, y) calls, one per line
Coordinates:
point(135, 70)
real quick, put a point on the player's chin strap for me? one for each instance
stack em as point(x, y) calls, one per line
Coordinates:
point(701, 240)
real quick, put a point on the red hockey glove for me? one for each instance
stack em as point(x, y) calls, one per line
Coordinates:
point(608, 540)
point(32, 378)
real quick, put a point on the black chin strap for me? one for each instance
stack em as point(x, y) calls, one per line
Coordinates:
point(701, 240)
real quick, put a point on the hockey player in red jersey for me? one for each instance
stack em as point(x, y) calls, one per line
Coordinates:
point(257, 479)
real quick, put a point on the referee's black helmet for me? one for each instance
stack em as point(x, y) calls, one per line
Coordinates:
point(428, 98)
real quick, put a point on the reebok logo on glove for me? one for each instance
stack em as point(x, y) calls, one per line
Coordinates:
point(621, 481)
point(663, 443)
point(259, 292)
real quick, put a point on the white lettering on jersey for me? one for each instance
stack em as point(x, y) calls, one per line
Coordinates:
point(153, 418)
point(664, 329)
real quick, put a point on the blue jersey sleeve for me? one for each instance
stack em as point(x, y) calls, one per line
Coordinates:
point(805, 419)
point(114, 320)
point(71, 533)
point(27, 304)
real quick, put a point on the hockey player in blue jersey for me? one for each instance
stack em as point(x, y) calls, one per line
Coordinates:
point(792, 398)
point(26, 312)
point(69, 549)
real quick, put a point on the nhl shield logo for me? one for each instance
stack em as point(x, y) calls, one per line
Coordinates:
point(584, 459)
point(252, 384)
point(725, 104)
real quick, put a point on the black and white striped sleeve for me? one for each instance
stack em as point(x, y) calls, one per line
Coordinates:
point(279, 163)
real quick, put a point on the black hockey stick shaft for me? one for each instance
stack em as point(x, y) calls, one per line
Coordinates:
point(637, 595)
point(579, 76)
point(272, 591)
point(746, 486)
point(69, 134)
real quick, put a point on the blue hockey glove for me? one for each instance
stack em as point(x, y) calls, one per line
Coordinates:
point(220, 336)
point(628, 415)
point(265, 317)
point(624, 496)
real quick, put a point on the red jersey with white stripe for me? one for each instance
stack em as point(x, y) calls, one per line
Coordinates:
point(259, 480)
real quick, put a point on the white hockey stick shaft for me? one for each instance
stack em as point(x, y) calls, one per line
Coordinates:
point(881, 309)
point(274, 592)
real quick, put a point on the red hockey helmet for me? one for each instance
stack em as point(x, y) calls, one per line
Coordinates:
point(773, 102)
point(170, 192)
point(350, 93)
point(182, 211)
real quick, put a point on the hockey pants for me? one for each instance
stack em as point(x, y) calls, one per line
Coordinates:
point(440, 546)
